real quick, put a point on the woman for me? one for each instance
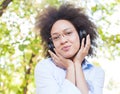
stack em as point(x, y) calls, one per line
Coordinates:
point(68, 36)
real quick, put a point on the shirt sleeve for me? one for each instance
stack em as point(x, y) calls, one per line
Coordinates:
point(96, 87)
point(46, 84)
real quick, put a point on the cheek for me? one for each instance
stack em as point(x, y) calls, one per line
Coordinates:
point(56, 45)
point(77, 42)
point(75, 39)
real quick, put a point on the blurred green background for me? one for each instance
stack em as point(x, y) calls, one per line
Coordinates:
point(20, 48)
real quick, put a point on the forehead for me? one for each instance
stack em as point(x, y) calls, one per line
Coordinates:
point(61, 26)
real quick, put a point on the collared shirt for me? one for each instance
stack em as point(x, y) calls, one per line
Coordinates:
point(50, 79)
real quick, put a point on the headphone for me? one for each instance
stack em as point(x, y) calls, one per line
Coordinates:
point(51, 46)
point(82, 34)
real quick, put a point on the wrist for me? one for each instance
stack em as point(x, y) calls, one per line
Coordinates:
point(78, 60)
point(79, 64)
point(70, 67)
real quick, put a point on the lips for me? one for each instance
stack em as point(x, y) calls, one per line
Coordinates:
point(66, 48)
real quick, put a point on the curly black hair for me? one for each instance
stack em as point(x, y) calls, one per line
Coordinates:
point(75, 15)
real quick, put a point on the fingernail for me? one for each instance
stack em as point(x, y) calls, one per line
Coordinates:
point(83, 39)
point(49, 51)
point(54, 49)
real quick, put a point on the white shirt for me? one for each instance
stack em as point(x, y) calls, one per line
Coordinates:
point(50, 79)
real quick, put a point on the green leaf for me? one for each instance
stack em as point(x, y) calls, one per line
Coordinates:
point(22, 47)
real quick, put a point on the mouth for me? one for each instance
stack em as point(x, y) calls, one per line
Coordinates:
point(66, 48)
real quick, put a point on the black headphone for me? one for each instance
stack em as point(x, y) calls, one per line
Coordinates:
point(51, 46)
point(82, 34)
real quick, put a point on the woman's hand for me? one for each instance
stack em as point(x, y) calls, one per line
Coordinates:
point(60, 61)
point(84, 49)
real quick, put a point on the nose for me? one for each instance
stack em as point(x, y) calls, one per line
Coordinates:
point(63, 40)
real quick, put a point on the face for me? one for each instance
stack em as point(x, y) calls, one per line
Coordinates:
point(65, 38)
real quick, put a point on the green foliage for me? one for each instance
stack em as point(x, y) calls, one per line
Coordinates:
point(20, 47)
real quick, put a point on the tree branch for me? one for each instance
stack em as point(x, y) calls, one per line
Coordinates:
point(27, 73)
point(4, 5)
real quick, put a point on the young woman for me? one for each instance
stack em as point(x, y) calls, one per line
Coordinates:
point(68, 36)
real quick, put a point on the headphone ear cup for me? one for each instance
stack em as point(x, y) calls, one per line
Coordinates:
point(82, 34)
point(51, 46)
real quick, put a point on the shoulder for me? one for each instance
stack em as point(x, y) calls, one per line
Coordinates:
point(44, 61)
point(93, 68)
point(98, 71)
point(43, 64)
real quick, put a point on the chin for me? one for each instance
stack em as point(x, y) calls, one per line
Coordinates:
point(68, 56)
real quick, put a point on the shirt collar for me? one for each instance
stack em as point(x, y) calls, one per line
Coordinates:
point(86, 65)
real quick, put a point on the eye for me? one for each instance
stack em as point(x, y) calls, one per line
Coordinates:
point(55, 37)
point(69, 33)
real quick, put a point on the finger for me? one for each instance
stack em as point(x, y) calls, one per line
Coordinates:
point(57, 53)
point(53, 56)
point(50, 52)
point(82, 44)
point(87, 46)
point(88, 39)
point(60, 56)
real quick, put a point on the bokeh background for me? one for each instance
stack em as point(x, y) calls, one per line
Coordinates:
point(20, 48)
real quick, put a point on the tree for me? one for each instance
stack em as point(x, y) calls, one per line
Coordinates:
point(4, 5)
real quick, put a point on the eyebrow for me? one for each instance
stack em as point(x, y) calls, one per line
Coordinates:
point(63, 31)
